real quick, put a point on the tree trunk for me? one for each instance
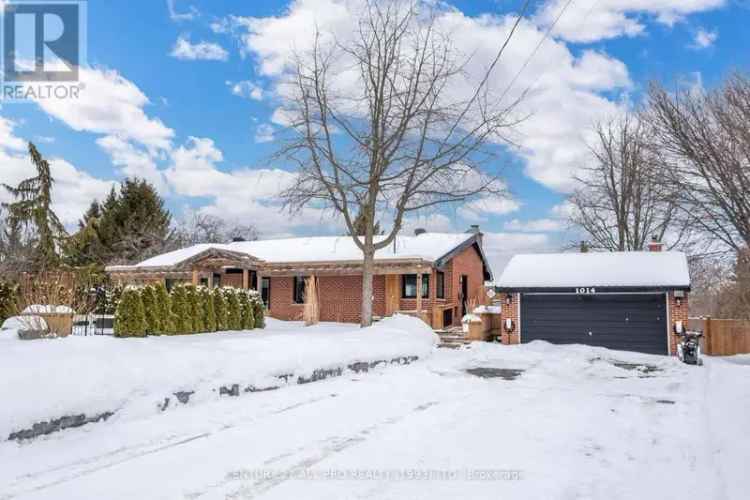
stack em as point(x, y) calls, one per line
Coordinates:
point(368, 269)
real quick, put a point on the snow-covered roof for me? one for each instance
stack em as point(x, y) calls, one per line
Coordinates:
point(597, 269)
point(426, 246)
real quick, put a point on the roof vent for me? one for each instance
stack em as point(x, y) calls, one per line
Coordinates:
point(419, 230)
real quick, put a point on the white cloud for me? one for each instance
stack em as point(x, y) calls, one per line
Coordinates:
point(592, 20)
point(202, 51)
point(478, 210)
point(8, 140)
point(704, 39)
point(189, 15)
point(109, 104)
point(500, 247)
point(566, 91)
point(249, 195)
point(247, 89)
point(534, 225)
point(133, 161)
point(264, 133)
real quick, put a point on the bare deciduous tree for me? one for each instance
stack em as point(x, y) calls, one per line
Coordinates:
point(206, 228)
point(706, 139)
point(387, 124)
point(621, 201)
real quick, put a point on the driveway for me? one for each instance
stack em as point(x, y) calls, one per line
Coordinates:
point(532, 421)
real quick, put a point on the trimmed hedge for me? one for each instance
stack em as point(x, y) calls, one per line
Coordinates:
point(186, 309)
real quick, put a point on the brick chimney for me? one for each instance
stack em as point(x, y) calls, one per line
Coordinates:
point(655, 245)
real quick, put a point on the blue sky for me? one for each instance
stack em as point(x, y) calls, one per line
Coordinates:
point(183, 93)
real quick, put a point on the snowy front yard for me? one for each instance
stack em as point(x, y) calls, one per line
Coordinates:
point(549, 422)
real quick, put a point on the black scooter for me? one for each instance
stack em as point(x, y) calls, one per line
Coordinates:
point(689, 348)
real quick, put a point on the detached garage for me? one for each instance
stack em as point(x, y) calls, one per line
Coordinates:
point(620, 300)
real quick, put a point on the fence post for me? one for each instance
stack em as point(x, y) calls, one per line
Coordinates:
point(707, 335)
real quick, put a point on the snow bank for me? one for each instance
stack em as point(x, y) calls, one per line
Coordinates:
point(87, 375)
point(29, 322)
point(47, 309)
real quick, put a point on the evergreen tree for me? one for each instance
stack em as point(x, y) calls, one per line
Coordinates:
point(234, 313)
point(258, 310)
point(85, 248)
point(164, 310)
point(33, 206)
point(207, 301)
point(196, 309)
point(153, 320)
point(220, 309)
point(246, 309)
point(8, 300)
point(130, 320)
point(181, 310)
point(134, 223)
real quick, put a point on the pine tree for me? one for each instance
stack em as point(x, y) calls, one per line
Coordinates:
point(246, 308)
point(207, 302)
point(153, 319)
point(134, 223)
point(85, 248)
point(8, 300)
point(258, 310)
point(220, 309)
point(234, 313)
point(181, 310)
point(34, 207)
point(164, 310)
point(196, 308)
point(130, 320)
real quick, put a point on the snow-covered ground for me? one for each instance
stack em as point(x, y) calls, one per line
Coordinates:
point(577, 422)
point(41, 380)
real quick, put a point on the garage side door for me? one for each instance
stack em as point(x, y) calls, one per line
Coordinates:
point(625, 322)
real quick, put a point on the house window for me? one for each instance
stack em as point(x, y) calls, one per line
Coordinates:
point(217, 280)
point(440, 285)
point(409, 286)
point(265, 291)
point(232, 270)
point(299, 289)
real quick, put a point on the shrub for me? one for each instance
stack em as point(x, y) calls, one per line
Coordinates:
point(196, 309)
point(234, 313)
point(258, 309)
point(207, 301)
point(150, 312)
point(8, 300)
point(246, 310)
point(130, 320)
point(163, 307)
point(220, 309)
point(112, 298)
point(181, 310)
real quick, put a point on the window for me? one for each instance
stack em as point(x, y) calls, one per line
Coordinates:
point(265, 291)
point(440, 285)
point(299, 289)
point(409, 286)
point(217, 280)
point(232, 270)
point(169, 283)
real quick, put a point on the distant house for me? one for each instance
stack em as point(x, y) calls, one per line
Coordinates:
point(621, 300)
point(436, 276)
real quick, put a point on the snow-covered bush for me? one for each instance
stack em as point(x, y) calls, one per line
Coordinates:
point(112, 299)
point(130, 319)
point(258, 308)
point(220, 309)
point(234, 313)
point(246, 310)
point(181, 312)
point(163, 308)
point(207, 303)
point(196, 309)
point(150, 312)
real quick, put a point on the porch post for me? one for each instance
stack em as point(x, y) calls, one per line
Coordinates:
point(258, 281)
point(195, 277)
point(419, 295)
point(245, 279)
point(211, 280)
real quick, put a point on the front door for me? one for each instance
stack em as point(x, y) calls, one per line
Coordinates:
point(392, 293)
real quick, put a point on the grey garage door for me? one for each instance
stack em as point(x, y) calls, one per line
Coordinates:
point(625, 322)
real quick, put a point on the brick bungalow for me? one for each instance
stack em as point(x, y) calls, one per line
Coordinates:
point(621, 300)
point(436, 276)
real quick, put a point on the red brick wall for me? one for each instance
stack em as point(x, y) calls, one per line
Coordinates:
point(676, 313)
point(511, 311)
point(340, 298)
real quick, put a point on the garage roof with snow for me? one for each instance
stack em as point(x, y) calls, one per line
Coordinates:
point(618, 270)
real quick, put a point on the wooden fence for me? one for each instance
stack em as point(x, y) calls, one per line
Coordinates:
point(723, 337)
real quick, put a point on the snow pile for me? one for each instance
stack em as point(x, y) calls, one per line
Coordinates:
point(29, 322)
point(94, 374)
point(47, 309)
